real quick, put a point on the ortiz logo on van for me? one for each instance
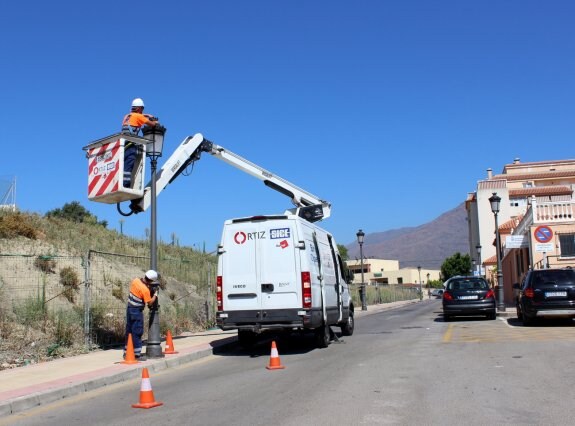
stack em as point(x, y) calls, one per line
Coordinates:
point(241, 237)
point(279, 233)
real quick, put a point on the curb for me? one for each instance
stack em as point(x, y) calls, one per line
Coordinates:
point(35, 399)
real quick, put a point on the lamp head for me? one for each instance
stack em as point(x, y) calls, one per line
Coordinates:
point(360, 234)
point(495, 200)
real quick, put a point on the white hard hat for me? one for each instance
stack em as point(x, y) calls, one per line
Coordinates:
point(151, 275)
point(138, 102)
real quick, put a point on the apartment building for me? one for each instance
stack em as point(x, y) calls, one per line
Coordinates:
point(536, 219)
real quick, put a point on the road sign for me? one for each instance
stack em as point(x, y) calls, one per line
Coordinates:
point(545, 248)
point(516, 241)
point(543, 234)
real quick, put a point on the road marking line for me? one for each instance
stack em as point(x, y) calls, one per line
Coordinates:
point(448, 333)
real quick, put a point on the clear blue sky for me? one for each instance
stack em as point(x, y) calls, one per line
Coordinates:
point(391, 110)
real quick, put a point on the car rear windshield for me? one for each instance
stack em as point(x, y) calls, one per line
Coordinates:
point(467, 284)
point(562, 278)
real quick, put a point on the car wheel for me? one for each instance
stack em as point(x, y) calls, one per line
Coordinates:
point(446, 318)
point(347, 328)
point(527, 321)
point(519, 313)
point(492, 316)
point(322, 336)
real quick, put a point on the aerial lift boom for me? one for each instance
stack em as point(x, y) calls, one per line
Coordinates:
point(307, 205)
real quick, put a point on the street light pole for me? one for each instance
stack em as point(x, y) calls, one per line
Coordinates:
point(360, 235)
point(156, 134)
point(420, 289)
point(428, 285)
point(478, 248)
point(495, 201)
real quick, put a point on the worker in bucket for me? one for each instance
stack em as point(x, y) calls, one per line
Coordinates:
point(140, 295)
point(132, 124)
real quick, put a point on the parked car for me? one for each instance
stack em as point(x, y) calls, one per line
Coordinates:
point(468, 296)
point(546, 293)
point(438, 292)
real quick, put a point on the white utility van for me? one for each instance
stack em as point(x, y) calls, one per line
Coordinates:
point(281, 272)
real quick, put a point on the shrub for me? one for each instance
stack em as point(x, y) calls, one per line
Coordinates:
point(68, 329)
point(13, 225)
point(30, 311)
point(45, 263)
point(69, 278)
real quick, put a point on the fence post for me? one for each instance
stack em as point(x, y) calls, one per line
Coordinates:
point(87, 333)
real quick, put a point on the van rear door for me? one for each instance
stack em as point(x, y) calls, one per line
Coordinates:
point(259, 266)
point(278, 262)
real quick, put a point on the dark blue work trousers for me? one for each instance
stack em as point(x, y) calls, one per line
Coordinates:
point(135, 327)
point(130, 155)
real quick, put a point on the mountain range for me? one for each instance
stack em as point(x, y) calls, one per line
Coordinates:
point(427, 245)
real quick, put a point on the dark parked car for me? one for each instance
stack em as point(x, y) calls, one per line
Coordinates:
point(546, 293)
point(468, 296)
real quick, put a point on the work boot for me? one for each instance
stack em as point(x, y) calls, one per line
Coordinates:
point(142, 358)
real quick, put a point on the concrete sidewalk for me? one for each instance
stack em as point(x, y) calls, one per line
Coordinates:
point(27, 387)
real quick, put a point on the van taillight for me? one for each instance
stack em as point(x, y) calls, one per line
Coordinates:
point(219, 297)
point(528, 292)
point(306, 289)
point(490, 294)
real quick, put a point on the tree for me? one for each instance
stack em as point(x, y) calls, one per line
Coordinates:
point(456, 265)
point(343, 252)
point(75, 212)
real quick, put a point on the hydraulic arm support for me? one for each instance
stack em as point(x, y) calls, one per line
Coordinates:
point(190, 150)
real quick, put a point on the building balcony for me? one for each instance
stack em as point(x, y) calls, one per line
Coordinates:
point(546, 213)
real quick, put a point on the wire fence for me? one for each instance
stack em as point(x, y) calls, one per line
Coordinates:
point(383, 293)
point(94, 288)
point(91, 292)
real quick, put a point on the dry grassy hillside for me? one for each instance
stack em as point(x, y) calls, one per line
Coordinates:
point(43, 264)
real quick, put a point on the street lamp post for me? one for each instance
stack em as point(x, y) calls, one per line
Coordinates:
point(428, 285)
point(478, 248)
point(360, 235)
point(495, 200)
point(420, 289)
point(154, 151)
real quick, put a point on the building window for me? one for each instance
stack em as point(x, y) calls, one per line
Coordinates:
point(567, 245)
point(518, 202)
point(399, 280)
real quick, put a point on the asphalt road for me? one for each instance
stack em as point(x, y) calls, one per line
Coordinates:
point(404, 366)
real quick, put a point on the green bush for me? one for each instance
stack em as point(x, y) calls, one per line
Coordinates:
point(68, 328)
point(31, 311)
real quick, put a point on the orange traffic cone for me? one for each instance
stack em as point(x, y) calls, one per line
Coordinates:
point(146, 394)
point(275, 363)
point(130, 357)
point(170, 344)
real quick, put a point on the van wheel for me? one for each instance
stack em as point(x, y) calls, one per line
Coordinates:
point(322, 336)
point(347, 328)
point(247, 338)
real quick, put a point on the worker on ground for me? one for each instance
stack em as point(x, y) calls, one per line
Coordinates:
point(132, 124)
point(139, 297)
